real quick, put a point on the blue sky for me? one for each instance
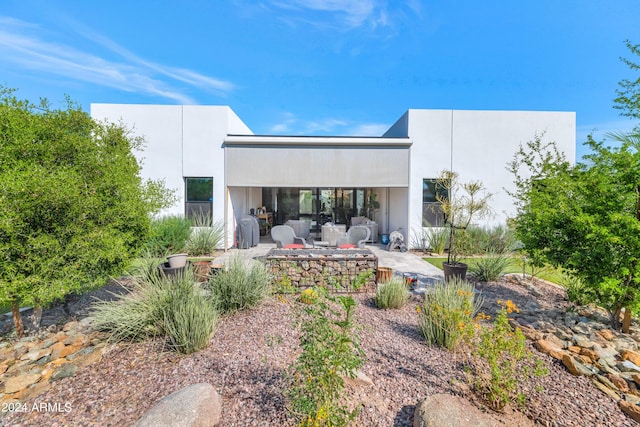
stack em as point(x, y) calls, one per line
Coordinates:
point(325, 67)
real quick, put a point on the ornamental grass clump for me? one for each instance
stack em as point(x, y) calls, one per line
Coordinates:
point(206, 236)
point(490, 267)
point(447, 314)
point(502, 363)
point(392, 294)
point(175, 307)
point(243, 284)
point(330, 352)
point(189, 319)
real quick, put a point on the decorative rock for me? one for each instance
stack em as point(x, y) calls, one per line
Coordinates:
point(446, 410)
point(546, 347)
point(37, 354)
point(589, 353)
point(604, 380)
point(575, 367)
point(528, 332)
point(582, 341)
point(606, 390)
point(56, 349)
point(70, 325)
point(361, 379)
point(606, 353)
point(574, 349)
point(619, 382)
point(20, 382)
point(622, 344)
point(65, 370)
point(631, 356)
point(555, 341)
point(632, 411)
point(627, 366)
point(197, 405)
point(605, 334)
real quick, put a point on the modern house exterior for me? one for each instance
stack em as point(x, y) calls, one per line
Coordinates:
point(218, 166)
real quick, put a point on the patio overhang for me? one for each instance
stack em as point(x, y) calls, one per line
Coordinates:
point(284, 161)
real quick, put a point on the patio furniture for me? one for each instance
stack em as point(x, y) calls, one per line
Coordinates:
point(357, 235)
point(248, 232)
point(284, 235)
point(332, 232)
point(300, 227)
point(366, 222)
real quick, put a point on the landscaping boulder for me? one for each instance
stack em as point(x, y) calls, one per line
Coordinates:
point(445, 410)
point(198, 405)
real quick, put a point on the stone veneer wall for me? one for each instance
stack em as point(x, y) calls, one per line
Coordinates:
point(335, 269)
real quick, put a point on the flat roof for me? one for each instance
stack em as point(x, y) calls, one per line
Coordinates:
point(288, 140)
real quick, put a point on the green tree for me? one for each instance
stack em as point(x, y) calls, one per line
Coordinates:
point(628, 95)
point(585, 218)
point(73, 208)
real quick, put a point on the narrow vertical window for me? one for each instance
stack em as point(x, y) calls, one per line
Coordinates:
point(432, 193)
point(198, 197)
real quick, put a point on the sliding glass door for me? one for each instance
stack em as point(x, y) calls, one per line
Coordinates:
point(317, 205)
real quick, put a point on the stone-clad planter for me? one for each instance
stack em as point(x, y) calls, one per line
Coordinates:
point(335, 269)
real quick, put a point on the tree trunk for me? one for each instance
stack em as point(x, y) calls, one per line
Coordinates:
point(626, 321)
point(17, 319)
point(615, 318)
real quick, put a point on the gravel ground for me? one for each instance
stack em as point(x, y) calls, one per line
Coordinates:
point(251, 349)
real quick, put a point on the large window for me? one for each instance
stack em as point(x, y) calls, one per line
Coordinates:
point(432, 215)
point(198, 197)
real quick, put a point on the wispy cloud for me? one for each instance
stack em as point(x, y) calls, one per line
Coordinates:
point(290, 124)
point(22, 45)
point(338, 14)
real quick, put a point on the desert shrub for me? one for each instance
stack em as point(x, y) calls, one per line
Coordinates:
point(330, 351)
point(308, 296)
point(577, 292)
point(206, 236)
point(136, 315)
point(502, 361)
point(158, 306)
point(489, 267)
point(169, 234)
point(243, 284)
point(189, 319)
point(446, 316)
point(483, 240)
point(392, 294)
point(437, 237)
point(430, 238)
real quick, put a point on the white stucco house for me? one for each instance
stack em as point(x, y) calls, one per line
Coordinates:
point(217, 165)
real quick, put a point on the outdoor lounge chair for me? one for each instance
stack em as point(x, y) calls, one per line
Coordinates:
point(284, 235)
point(356, 235)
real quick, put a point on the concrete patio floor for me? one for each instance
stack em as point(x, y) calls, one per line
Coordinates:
point(400, 262)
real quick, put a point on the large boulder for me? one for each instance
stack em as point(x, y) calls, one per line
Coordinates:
point(445, 410)
point(198, 405)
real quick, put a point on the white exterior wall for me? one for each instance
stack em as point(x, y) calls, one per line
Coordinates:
point(181, 141)
point(478, 145)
